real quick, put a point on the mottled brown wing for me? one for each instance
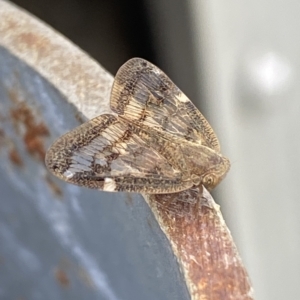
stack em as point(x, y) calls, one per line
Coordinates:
point(144, 94)
point(110, 154)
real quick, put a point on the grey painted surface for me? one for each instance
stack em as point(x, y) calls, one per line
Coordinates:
point(77, 244)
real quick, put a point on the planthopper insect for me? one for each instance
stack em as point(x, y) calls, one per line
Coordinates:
point(156, 142)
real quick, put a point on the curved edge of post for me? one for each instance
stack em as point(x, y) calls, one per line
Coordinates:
point(203, 245)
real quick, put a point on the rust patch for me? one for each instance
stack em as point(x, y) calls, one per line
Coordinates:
point(13, 154)
point(62, 278)
point(28, 38)
point(86, 278)
point(66, 265)
point(203, 245)
point(25, 124)
point(15, 157)
point(56, 190)
point(2, 137)
point(37, 43)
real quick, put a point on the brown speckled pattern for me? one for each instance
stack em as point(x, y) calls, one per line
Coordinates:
point(160, 143)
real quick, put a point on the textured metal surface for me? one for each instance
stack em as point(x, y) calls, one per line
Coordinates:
point(59, 241)
point(203, 244)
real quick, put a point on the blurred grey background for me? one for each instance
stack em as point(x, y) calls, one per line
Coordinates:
point(239, 62)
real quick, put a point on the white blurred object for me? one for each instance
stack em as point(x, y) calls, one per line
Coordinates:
point(269, 73)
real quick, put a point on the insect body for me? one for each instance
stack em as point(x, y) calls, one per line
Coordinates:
point(158, 142)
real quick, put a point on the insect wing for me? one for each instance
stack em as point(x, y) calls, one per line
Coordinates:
point(106, 154)
point(146, 95)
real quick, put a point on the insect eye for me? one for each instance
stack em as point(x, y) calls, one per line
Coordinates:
point(208, 181)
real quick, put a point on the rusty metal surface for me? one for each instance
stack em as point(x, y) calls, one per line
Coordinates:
point(59, 241)
point(203, 245)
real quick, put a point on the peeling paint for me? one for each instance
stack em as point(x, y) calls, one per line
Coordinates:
point(15, 157)
point(26, 124)
point(62, 277)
